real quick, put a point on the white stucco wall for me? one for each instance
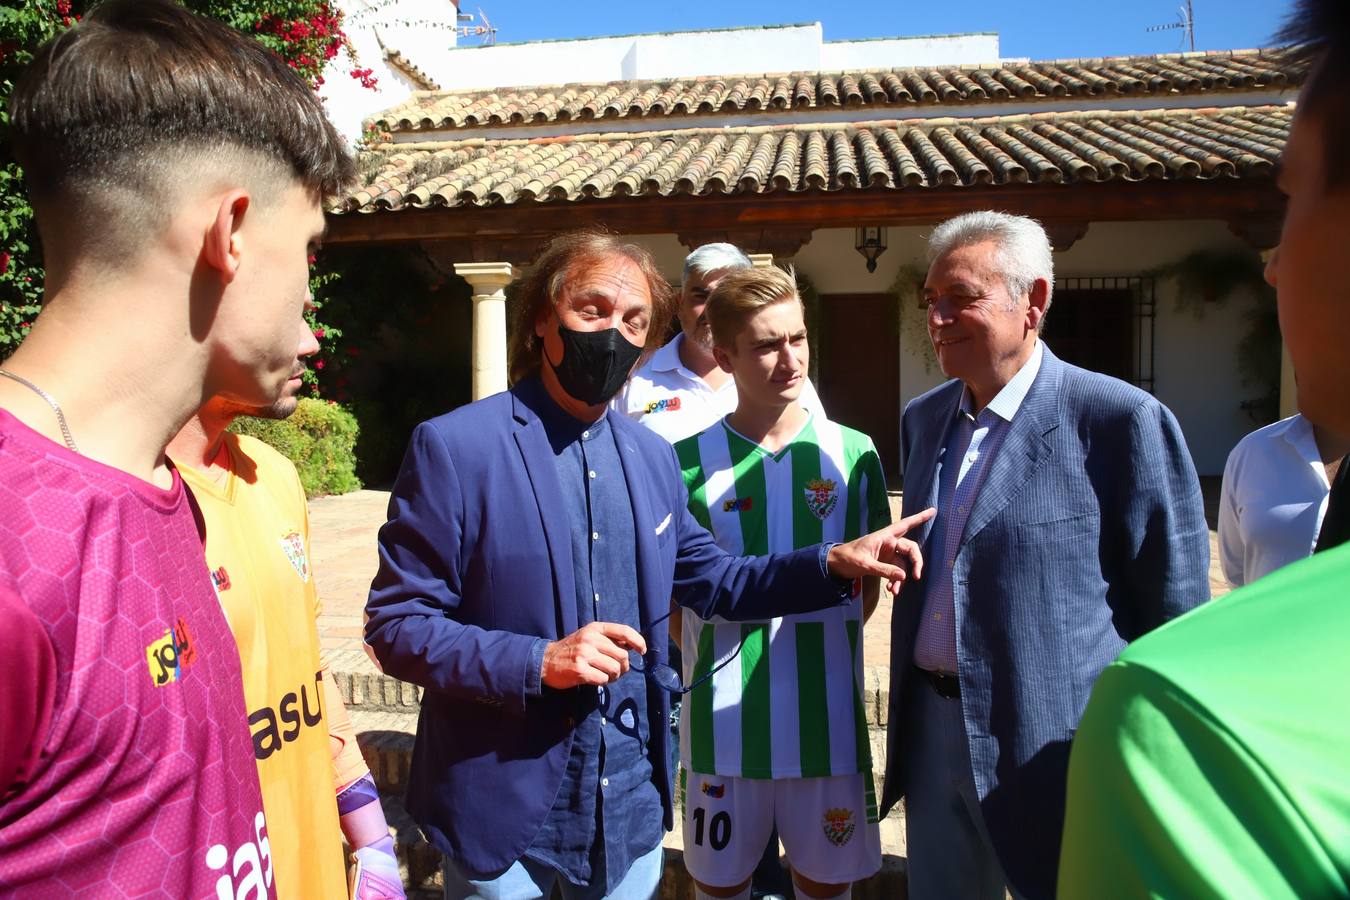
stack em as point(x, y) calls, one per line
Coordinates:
point(417, 28)
point(1195, 362)
point(928, 50)
point(423, 31)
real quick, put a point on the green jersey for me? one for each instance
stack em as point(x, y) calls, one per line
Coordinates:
point(1214, 756)
point(788, 704)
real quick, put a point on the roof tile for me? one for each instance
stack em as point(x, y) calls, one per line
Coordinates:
point(1230, 142)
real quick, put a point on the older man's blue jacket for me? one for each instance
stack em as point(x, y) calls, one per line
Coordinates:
point(1088, 532)
point(476, 565)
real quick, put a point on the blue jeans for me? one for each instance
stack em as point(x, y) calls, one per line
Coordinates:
point(530, 880)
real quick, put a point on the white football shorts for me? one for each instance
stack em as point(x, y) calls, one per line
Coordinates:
point(822, 823)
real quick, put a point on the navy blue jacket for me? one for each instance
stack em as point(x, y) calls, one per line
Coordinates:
point(476, 564)
point(1088, 532)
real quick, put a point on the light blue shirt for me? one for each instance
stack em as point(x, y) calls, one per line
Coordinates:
point(972, 441)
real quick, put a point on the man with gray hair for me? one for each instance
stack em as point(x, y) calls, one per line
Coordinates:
point(680, 390)
point(1069, 523)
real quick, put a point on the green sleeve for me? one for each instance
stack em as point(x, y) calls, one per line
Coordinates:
point(878, 505)
point(1165, 801)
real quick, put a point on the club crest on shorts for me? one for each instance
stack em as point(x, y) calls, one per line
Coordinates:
point(822, 495)
point(839, 825)
point(294, 547)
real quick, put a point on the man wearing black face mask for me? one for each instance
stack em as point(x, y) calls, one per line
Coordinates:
point(532, 548)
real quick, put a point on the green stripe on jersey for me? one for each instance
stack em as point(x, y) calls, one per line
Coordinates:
point(807, 528)
point(701, 705)
point(813, 710)
point(748, 469)
point(695, 479)
point(860, 728)
point(756, 755)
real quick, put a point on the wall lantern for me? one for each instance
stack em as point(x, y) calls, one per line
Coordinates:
point(871, 243)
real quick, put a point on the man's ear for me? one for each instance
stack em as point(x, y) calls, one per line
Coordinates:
point(1038, 301)
point(723, 359)
point(223, 243)
point(541, 323)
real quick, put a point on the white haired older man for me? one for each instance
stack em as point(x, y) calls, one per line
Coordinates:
point(1069, 523)
point(681, 390)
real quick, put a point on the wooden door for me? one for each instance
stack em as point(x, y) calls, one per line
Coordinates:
point(1093, 328)
point(859, 369)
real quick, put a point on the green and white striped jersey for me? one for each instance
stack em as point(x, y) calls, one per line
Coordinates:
point(788, 705)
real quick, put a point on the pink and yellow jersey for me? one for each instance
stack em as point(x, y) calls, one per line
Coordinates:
point(125, 763)
point(257, 547)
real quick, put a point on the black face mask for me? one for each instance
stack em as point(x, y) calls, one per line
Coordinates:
point(594, 364)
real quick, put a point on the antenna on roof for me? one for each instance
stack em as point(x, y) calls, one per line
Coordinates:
point(1185, 24)
point(484, 30)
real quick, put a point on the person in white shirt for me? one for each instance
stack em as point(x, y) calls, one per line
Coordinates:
point(1274, 497)
point(680, 390)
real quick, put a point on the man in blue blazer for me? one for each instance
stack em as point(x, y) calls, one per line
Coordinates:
point(533, 546)
point(1069, 523)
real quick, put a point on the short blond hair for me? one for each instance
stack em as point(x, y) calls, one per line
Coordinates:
point(741, 294)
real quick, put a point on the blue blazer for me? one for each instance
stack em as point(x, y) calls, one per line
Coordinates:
point(476, 565)
point(1088, 531)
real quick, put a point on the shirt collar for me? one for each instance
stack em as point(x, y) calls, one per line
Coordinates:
point(1299, 433)
point(561, 427)
point(1008, 401)
point(667, 359)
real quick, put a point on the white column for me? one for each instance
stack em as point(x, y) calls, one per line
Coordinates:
point(489, 281)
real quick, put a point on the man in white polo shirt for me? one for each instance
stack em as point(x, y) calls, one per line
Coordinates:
point(680, 390)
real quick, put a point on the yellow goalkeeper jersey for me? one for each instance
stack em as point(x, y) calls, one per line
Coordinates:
point(257, 547)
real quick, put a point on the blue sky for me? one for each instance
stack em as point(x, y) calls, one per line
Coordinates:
point(1036, 30)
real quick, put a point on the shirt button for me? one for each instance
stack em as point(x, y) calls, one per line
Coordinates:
point(585, 434)
point(961, 509)
point(595, 535)
point(597, 598)
point(604, 782)
point(591, 473)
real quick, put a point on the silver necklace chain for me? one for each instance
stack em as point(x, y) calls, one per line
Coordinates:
point(56, 407)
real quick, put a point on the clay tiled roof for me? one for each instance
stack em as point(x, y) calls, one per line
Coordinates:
point(1165, 75)
point(405, 66)
point(874, 156)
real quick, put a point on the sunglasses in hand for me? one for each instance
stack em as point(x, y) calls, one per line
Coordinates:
point(666, 677)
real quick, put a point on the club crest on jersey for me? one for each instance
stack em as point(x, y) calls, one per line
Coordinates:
point(822, 495)
point(738, 504)
point(169, 655)
point(667, 404)
point(715, 791)
point(294, 546)
point(839, 825)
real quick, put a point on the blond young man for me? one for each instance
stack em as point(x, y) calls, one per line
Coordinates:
point(777, 735)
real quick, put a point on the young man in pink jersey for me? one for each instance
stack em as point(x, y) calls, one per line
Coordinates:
point(176, 169)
